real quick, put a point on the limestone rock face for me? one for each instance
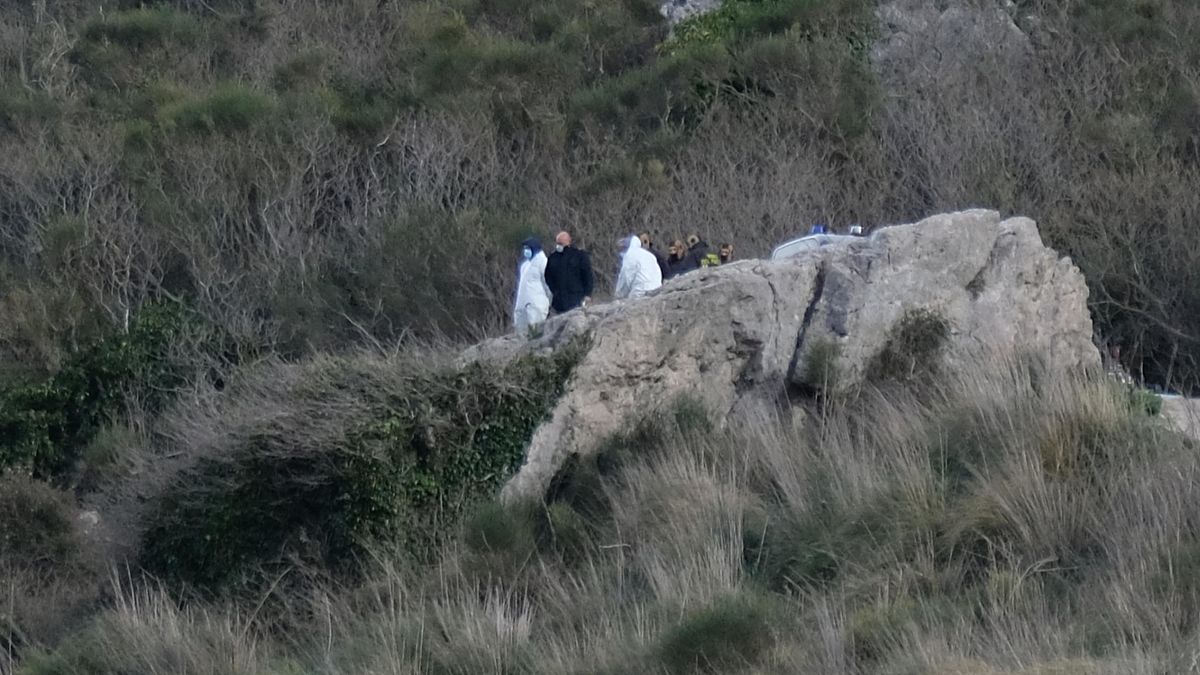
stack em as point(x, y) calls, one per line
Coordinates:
point(1000, 290)
point(741, 333)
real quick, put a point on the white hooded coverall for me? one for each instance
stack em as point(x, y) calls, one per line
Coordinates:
point(639, 273)
point(533, 295)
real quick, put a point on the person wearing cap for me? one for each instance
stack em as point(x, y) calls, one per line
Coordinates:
point(532, 304)
point(639, 270)
point(569, 275)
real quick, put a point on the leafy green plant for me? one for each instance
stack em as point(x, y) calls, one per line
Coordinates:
point(407, 473)
point(1145, 401)
point(736, 21)
point(44, 424)
point(228, 109)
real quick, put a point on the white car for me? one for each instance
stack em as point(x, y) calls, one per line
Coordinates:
point(808, 243)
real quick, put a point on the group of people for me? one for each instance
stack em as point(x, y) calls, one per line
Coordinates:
point(693, 255)
point(564, 279)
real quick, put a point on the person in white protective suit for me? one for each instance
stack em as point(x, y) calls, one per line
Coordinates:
point(532, 305)
point(639, 273)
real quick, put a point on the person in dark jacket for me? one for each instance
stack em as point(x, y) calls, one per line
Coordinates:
point(569, 275)
point(697, 251)
point(658, 255)
point(676, 260)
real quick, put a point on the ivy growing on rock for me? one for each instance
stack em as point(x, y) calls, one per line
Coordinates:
point(402, 468)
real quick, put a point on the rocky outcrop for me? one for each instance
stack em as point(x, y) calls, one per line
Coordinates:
point(743, 333)
point(678, 10)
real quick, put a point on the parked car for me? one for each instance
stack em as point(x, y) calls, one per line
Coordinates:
point(808, 243)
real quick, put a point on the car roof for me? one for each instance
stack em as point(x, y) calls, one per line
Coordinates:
point(818, 240)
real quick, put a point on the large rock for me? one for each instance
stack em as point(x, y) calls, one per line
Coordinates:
point(742, 333)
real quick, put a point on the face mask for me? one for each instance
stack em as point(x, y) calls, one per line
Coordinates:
point(528, 253)
point(558, 248)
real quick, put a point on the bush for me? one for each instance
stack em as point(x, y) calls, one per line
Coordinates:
point(501, 540)
point(674, 90)
point(37, 526)
point(743, 20)
point(730, 633)
point(140, 28)
point(911, 351)
point(1145, 401)
point(791, 552)
point(228, 109)
point(44, 424)
point(820, 372)
point(46, 566)
point(404, 468)
point(18, 107)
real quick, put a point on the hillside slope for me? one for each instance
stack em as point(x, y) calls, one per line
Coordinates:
point(308, 177)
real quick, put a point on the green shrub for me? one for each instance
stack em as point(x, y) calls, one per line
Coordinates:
point(791, 552)
point(494, 527)
point(404, 471)
point(673, 90)
point(306, 68)
point(911, 351)
point(47, 566)
point(743, 20)
point(820, 372)
point(364, 110)
point(1145, 401)
point(105, 453)
point(18, 106)
point(501, 540)
point(45, 424)
point(228, 109)
point(140, 28)
point(567, 532)
point(37, 526)
point(730, 633)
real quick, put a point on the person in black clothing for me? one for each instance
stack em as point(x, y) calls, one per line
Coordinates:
point(697, 250)
point(569, 275)
point(677, 260)
point(658, 255)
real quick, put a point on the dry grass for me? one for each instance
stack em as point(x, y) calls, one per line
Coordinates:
point(896, 535)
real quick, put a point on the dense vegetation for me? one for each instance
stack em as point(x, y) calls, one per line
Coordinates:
point(1020, 525)
point(306, 177)
point(229, 230)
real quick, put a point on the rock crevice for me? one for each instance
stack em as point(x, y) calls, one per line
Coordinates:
point(739, 334)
